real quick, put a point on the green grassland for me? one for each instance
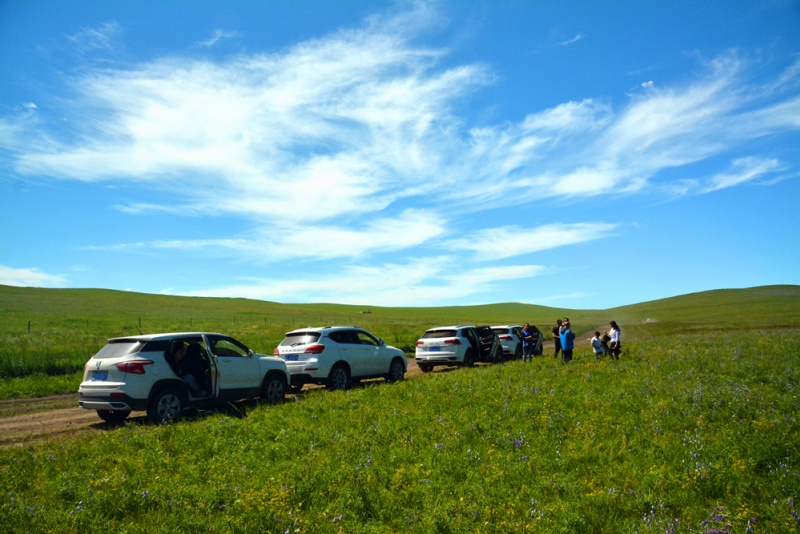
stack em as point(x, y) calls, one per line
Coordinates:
point(694, 429)
point(53, 332)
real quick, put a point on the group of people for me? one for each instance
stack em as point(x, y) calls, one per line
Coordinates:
point(564, 341)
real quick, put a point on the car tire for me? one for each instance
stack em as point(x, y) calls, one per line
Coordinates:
point(425, 368)
point(469, 358)
point(396, 371)
point(498, 355)
point(518, 352)
point(166, 405)
point(274, 390)
point(113, 416)
point(339, 378)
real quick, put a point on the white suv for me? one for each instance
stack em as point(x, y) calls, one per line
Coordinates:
point(457, 345)
point(338, 355)
point(511, 339)
point(168, 373)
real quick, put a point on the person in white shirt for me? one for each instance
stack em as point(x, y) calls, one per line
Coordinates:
point(597, 345)
point(616, 345)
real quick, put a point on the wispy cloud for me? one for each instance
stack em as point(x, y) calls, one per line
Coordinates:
point(30, 277)
point(437, 280)
point(218, 36)
point(99, 38)
point(572, 40)
point(351, 143)
point(743, 170)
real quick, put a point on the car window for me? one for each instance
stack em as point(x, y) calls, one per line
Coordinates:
point(340, 336)
point(349, 337)
point(366, 339)
point(226, 346)
point(500, 331)
point(119, 347)
point(470, 335)
point(294, 339)
point(435, 334)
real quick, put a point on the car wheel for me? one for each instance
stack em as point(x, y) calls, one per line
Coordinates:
point(339, 378)
point(425, 368)
point(113, 416)
point(518, 352)
point(498, 355)
point(274, 390)
point(166, 405)
point(469, 358)
point(396, 371)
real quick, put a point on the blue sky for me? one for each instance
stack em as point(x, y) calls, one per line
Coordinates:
point(573, 154)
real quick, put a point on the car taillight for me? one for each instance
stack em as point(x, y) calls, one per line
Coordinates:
point(453, 341)
point(505, 338)
point(135, 367)
point(420, 343)
point(315, 349)
point(276, 352)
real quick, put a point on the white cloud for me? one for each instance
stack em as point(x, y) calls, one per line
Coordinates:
point(218, 36)
point(743, 170)
point(511, 241)
point(100, 37)
point(352, 144)
point(30, 277)
point(416, 283)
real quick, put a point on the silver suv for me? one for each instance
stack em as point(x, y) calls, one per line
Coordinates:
point(167, 373)
point(335, 356)
point(458, 345)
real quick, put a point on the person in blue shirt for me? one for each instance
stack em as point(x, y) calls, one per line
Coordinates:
point(527, 343)
point(567, 341)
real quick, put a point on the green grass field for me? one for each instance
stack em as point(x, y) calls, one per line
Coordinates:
point(695, 429)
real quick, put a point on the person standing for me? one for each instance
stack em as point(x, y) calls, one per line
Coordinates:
point(527, 343)
point(616, 345)
point(557, 338)
point(567, 341)
point(598, 346)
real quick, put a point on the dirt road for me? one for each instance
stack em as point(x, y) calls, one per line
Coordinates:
point(26, 421)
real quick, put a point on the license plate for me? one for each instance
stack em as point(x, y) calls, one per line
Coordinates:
point(291, 357)
point(100, 375)
point(435, 349)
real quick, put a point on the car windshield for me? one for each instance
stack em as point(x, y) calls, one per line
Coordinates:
point(434, 334)
point(300, 338)
point(119, 347)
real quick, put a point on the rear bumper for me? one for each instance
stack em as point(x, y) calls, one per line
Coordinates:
point(438, 360)
point(116, 401)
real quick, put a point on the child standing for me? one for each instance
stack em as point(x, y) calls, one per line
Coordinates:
point(598, 346)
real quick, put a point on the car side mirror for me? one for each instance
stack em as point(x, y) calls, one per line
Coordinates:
point(381, 342)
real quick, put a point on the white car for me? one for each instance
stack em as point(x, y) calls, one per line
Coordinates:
point(335, 356)
point(511, 339)
point(457, 345)
point(141, 373)
point(510, 336)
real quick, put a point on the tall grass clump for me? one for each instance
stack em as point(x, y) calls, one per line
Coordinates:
point(686, 433)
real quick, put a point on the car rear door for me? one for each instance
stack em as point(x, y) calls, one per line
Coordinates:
point(350, 350)
point(375, 355)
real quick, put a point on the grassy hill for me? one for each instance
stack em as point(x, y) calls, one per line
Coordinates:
point(695, 429)
point(53, 332)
